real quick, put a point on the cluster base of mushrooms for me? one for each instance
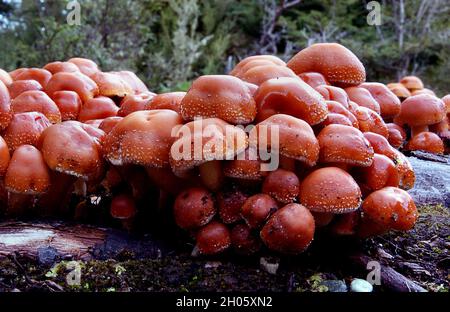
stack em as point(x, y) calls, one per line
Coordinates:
point(263, 157)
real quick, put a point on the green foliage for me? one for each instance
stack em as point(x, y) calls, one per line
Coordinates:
point(170, 42)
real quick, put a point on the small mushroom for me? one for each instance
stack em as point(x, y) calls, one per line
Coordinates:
point(56, 67)
point(344, 144)
point(397, 135)
point(290, 230)
point(259, 74)
point(221, 96)
point(282, 185)
point(170, 100)
point(5, 106)
point(381, 173)
point(242, 66)
point(109, 123)
point(388, 101)
point(18, 87)
point(370, 121)
point(291, 96)
point(213, 238)
point(4, 157)
point(25, 128)
point(322, 219)
point(244, 240)
point(229, 204)
point(332, 93)
point(40, 75)
point(427, 142)
point(99, 107)
point(257, 209)
point(330, 189)
point(134, 102)
point(363, 98)
point(5, 77)
point(193, 208)
point(399, 90)
point(86, 66)
point(246, 166)
point(13, 74)
point(334, 61)
point(423, 91)
point(36, 101)
point(123, 207)
point(338, 108)
point(84, 86)
point(313, 79)
point(69, 104)
point(336, 119)
point(136, 84)
point(111, 85)
point(412, 83)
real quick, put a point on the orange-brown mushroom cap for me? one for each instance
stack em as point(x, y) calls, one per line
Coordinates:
point(86, 66)
point(381, 173)
point(283, 185)
point(56, 67)
point(213, 238)
point(338, 108)
point(313, 79)
point(136, 84)
point(170, 100)
point(18, 87)
point(363, 97)
point(244, 240)
point(142, 138)
point(332, 93)
point(241, 66)
point(335, 62)
point(221, 96)
point(25, 128)
point(229, 204)
point(397, 135)
point(5, 77)
point(40, 75)
point(111, 85)
point(426, 141)
point(290, 230)
point(330, 189)
point(344, 144)
point(36, 101)
point(296, 138)
point(399, 90)
point(5, 106)
point(193, 208)
point(81, 84)
point(257, 209)
point(370, 121)
point(257, 75)
point(390, 208)
point(290, 96)
point(69, 104)
point(389, 102)
point(246, 166)
point(4, 157)
point(421, 110)
point(109, 123)
point(27, 172)
point(412, 83)
point(97, 108)
point(72, 148)
point(135, 102)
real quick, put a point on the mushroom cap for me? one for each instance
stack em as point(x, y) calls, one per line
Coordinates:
point(109, 123)
point(390, 208)
point(296, 138)
point(81, 84)
point(412, 82)
point(241, 67)
point(99, 107)
point(56, 67)
point(25, 128)
point(330, 189)
point(170, 100)
point(421, 110)
point(332, 93)
point(399, 90)
point(193, 208)
point(336, 119)
point(36, 101)
point(4, 157)
point(257, 75)
point(446, 100)
point(5, 106)
point(204, 140)
point(423, 91)
point(69, 104)
point(291, 96)
point(426, 141)
point(18, 87)
point(313, 79)
point(111, 85)
point(252, 64)
point(283, 185)
point(135, 102)
point(229, 203)
point(257, 209)
point(27, 172)
point(5, 77)
point(86, 66)
point(381, 173)
point(334, 61)
point(16, 72)
point(123, 207)
point(244, 240)
point(72, 148)
point(136, 84)
point(142, 138)
point(246, 166)
point(40, 75)
point(290, 230)
point(397, 135)
point(213, 238)
point(370, 121)
point(338, 108)
point(363, 97)
point(344, 144)
point(222, 96)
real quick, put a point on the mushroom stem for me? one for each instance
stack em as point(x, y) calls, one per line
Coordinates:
point(18, 204)
point(287, 163)
point(415, 130)
point(211, 174)
point(80, 187)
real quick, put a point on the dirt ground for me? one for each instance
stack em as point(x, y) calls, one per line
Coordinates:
point(422, 255)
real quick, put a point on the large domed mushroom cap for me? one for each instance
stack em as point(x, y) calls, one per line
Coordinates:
point(222, 96)
point(382, 172)
point(5, 106)
point(390, 208)
point(344, 144)
point(72, 148)
point(40, 75)
point(363, 98)
point(290, 96)
point(296, 138)
point(412, 83)
point(421, 110)
point(142, 138)
point(426, 141)
point(27, 172)
point(20, 86)
point(81, 84)
point(337, 63)
point(330, 189)
point(290, 230)
point(389, 102)
point(36, 101)
point(243, 65)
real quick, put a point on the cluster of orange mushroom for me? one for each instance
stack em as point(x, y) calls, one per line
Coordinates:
point(71, 128)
